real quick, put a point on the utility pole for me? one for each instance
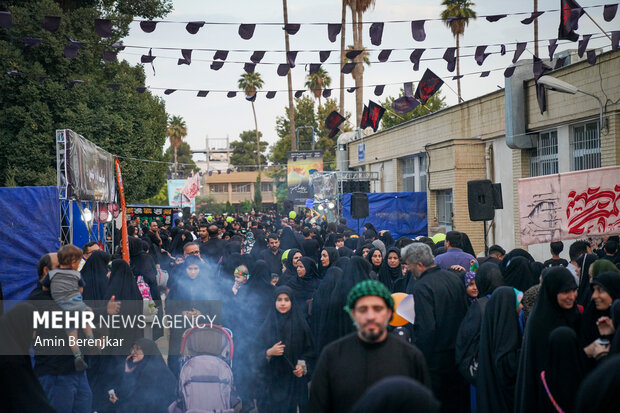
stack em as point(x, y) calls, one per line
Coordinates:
point(291, 107)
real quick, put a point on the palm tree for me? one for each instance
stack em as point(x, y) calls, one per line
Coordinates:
point(358, 8)
point(456, 16)
point(177, 130)
point(289, 79)
point(317, 81)
point(250, 83)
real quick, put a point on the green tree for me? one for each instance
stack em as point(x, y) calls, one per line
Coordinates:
point(244, 151)
point(391, 118)
point(185, 163)
point(160, 199)
point(251, 83)
point(245, 207)
point(317, 81)
point(456, 16)
point(208, 205)
point(37, 100)
point(177, 130)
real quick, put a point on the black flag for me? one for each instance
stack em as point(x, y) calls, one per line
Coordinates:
point(570, 12)
point(428, 86)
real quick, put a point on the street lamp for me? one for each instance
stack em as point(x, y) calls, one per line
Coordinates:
point(557, 85)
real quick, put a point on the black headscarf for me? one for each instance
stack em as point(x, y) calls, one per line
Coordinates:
point(333, 256)
point(498, 355)
point(565, 367)
point(387, 239)
point(585, 292)
point(20, 390)
point(181, 238)
point(388, 275)
point(519, 275)
point(615, 318)
point(291, 270)
point(260, 243)
point(466, 245)
point(304, 287)
point(288, 240)
point(282, 387)
point(259, 287)
point(122, 285)
point(397, 394)
point(546, 316)
point(94, 273)
point(141, 263)
point(359, 251)
point(488, 278)
point(599, 391)
point(610, 282)
point(151, 386)
point(374, 267)
point(320, 303)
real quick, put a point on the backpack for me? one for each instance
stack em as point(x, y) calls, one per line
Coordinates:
point(205, 385)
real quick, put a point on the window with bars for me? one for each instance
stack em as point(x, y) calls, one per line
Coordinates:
point(414, 169)
point(443, 199)
point(266, 186)
point(544, 160)
point(218, 188)
point(241, 187)
point(585, 146)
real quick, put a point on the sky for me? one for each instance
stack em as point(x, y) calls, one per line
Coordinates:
point(217, 116)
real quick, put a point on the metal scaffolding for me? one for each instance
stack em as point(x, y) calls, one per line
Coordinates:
point(66, 205)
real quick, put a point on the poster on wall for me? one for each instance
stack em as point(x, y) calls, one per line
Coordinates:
point(89, 169)
point(569, 205)
point(302, 164)
point(176, 197)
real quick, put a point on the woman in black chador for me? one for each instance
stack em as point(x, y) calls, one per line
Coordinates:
point(284, 345)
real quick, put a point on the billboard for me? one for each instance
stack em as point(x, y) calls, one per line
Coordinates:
point(89, 169)
point(152, 212)
point(175, 197)
point(301, 164)
point(569, 205)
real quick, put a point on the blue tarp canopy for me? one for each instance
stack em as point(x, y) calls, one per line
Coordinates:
point(401, 213)
point(30, 221)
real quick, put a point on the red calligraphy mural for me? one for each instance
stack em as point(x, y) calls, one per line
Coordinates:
point(594, 210)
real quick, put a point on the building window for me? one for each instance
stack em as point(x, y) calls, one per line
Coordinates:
point(218, 188)
point(414, 173)
point(266, 186)
point(585, 146)
point(544, 160)
point(241, 187)
point(444, 208)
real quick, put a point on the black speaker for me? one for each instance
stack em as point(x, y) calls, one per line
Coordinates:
point(355, 186)
point(288, 206)
point(498, 201)
point(359, 205)
point(187, 212)
point(480, 200)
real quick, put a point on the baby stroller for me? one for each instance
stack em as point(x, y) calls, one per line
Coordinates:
point(206, 378)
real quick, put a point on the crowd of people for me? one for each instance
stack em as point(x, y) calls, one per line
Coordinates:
point(309, 305)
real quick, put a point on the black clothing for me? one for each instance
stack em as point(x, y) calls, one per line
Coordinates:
point(468, 339)
point(274, 261)
point(397, 394)
point(303, 288)
point(20, 390)
point(561, 262)
point(498, 356)
point(345, 251)
point(350, 366)
point(546, 316)
point(440, 306)
point(387, 275)
point(94, 273)
point(518, 274)
point(488, 278)
point(283, 391)
point(320, 303)
point(339, 322)
point(599, 391)
point(150, 387)
point(494, 260)
point(333, 255)
point(288, 240)
point(311, 248)
point(585, 292)
point(565, 368)
point(212, 250)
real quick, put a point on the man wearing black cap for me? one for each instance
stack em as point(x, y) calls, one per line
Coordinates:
point(349, 366)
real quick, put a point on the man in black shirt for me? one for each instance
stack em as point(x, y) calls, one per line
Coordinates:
point(273, 255)
point(211, 246)
point(349, 366)
point(440, 306)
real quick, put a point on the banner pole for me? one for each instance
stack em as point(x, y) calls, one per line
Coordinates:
point(124, 237)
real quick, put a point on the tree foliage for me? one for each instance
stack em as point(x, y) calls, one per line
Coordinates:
point(185, 160)
point(37, 100)
point(306, 115)
point(244, 151)
point(391, 118)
